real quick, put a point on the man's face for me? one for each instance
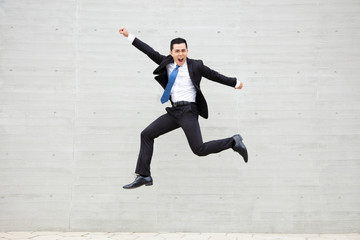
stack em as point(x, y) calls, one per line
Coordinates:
point(179, 53)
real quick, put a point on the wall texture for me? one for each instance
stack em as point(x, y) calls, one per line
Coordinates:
point(75, 95)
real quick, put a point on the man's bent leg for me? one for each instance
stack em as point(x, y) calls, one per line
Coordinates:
point(160, 126)
point(191, 127)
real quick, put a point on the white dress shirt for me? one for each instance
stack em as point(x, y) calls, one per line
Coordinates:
point(183, 88)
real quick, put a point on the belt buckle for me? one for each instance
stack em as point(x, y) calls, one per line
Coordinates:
point(180, 103)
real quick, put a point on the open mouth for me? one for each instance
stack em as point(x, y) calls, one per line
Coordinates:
point(181, 60)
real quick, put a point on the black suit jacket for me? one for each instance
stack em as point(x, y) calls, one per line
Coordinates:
point(197, 70)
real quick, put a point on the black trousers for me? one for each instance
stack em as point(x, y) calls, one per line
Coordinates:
point(185, 117)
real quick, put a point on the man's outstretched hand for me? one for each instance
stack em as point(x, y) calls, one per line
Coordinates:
point(124, 32)
point(240, 86)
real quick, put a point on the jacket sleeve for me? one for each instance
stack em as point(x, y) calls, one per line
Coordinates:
point(217, 77)
point(149, 51)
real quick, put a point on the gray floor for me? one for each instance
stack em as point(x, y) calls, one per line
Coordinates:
point(172, 236)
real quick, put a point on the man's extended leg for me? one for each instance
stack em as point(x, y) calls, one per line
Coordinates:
point(160, 126)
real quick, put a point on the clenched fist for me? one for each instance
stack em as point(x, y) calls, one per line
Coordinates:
point(240, 86)
point(124, 32)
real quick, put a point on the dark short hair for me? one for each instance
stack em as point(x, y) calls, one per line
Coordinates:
point(177, 41)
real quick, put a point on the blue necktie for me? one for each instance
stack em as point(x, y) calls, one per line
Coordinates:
point(166, 95)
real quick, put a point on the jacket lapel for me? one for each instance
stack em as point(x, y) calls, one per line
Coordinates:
point(163, 64)
point(191, 72)
point(190, 68)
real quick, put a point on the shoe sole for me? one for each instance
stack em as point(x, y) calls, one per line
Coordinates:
point(147, 184)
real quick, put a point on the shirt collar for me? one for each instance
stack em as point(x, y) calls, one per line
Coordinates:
point(183, 66)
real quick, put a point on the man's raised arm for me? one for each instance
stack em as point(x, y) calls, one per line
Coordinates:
point(149, 51)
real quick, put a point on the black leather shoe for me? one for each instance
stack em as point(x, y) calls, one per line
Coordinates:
point(139, 181)
point(240, 147)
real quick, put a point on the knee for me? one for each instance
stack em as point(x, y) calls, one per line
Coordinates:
point(199, 150)
point(145, 134)
point(148, 134)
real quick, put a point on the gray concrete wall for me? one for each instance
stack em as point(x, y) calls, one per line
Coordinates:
point(75, 95)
